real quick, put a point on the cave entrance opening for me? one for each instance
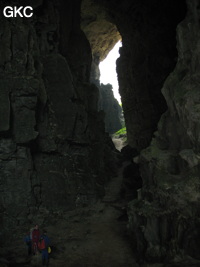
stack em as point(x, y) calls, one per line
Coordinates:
point(104, 39)
point(108, 72)
point(114, 120)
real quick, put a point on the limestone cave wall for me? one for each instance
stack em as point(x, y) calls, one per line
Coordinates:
point(53, 146)
point(161, 51)
point(148, 55)
point(111, 107)
point(165, 221)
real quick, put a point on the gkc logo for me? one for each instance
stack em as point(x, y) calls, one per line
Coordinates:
point(13, 12)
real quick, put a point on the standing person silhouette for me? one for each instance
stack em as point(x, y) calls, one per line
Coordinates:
point(28, 241)
point(35, 239)
point(43, 246)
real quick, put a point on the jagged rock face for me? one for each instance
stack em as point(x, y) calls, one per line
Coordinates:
point(53, 145)
point(50, 160)
point(149, 43)
point(111, 107)
point(147, 56)
point(165, 221)
point(113, 114)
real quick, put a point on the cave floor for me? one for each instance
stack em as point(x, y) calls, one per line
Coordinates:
point(92, 236)
point(96, 235)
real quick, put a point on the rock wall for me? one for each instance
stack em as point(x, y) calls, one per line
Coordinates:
point(147, 56)
point(53, 146)
point(107, 103)
point(54, 153)
point(166, 220)
point(111, 107)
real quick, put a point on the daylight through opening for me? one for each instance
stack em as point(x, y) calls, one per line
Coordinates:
point(108, 72)
point(111, 99)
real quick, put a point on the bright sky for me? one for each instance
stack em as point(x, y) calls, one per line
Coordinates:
point(108, 70)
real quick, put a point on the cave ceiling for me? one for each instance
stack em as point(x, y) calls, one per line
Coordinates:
point(100, 31)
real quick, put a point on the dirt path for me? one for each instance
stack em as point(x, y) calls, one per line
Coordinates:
point(96, 236)
point(93, 236)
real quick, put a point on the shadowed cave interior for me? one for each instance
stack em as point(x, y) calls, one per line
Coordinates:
point(58, 165)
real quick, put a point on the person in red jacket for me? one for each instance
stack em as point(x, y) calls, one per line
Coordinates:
point(35, 239)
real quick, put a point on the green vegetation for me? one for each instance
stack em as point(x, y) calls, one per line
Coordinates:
point(122, 135)
point(122, 131)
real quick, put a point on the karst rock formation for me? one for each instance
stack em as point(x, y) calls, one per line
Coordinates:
point(55, 151)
